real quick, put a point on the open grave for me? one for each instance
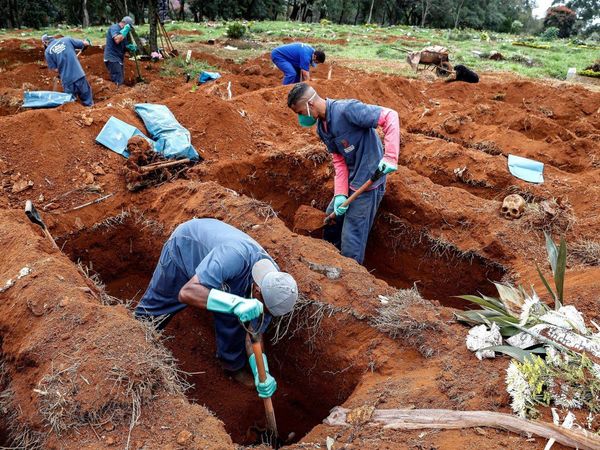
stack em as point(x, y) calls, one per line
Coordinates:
point(439, 229)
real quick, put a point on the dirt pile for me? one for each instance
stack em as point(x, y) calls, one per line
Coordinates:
point(68, 339)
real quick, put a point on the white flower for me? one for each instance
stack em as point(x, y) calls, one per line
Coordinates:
point(530, 303)
point(519, 390)
point(480, 337)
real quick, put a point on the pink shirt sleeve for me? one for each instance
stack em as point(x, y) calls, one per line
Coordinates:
point(390, 122)
point(340, 182)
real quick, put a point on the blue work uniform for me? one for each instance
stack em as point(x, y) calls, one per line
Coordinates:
point(291, 58)
point(60, 55)
point(114, 54)
point(351, 133)
point(222, 257)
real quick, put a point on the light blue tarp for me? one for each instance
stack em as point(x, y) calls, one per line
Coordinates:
point(171, 139)
point(45, 99)
point(208, 76)
point(115, 135)
point(526, 169)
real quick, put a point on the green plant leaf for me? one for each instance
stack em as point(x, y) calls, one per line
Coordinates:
point(559, 274)
point(543, 278)
point(552, 251)
point(512, 299)
point(482, 302)
point(515, 352)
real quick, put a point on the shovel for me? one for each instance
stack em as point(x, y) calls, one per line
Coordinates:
point(139, 78)
point(306, 218)
point(272, 434)
point(35, 217)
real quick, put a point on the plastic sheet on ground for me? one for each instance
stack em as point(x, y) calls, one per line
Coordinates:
point(171, 139)
point(526, 169)
point(208, 76)
point(115, 134)
point(45, 99)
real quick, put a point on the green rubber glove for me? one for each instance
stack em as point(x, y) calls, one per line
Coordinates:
point(87, 41)
point(131, 47)
point(387, 167)
point(337, 204)
point(126, 29)
point(245, 309)
point(267, 388)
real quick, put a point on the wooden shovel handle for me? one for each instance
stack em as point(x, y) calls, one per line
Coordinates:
point(376, 176)
point(262, 376)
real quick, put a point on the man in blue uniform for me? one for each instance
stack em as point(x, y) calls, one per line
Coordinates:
point(117, 42)
point(61, 56)
point(211, 265)
point(347, 127)
point(295, 60)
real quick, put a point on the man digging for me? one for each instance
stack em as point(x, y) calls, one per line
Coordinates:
point(347, 127)
point(211, 265)
point(117, 42)
point(61, 56)
point(295, 61)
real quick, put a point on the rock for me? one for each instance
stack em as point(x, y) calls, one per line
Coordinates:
point(97, 170)
point(109, 426)
point(21, 186)
point(110, 440)
point(184, 437)
point(79, 224)
point(41, 198)
point(89, 178)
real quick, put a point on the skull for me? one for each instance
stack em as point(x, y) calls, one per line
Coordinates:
point(513, 206)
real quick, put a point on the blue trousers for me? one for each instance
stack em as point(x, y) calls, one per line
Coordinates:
point(116, 71)
point(80, 88)
point(291, 75)
point(351, 231)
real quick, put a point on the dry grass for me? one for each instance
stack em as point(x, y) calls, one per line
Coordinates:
point(20, 436)
point(405, 317)
point(105, 297)
point(305, 319)
point(587, 252)
point(553, 216)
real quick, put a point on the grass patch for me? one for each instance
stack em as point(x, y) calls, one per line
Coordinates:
point(587, 251)
point(176, 67)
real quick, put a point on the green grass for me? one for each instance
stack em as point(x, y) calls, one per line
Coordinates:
point(369, 47)
point(177, 67)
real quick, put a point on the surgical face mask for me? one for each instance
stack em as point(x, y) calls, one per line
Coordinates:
point(306, 120)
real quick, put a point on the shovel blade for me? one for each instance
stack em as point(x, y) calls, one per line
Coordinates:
point(33, 214)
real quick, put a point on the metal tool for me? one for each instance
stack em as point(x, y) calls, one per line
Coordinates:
point(35, 217)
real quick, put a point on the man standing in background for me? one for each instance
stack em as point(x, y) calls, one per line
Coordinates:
point(117, 42)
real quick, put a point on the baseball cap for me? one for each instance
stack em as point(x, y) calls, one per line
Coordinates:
point(127, 20)
point(46, 38)
point(279, 289)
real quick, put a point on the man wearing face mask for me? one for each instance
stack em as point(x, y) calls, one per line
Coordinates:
point(295, 61)
point(348, 129)
point(213, 266)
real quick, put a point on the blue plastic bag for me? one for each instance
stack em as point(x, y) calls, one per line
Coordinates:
point(208, 76)
point(46, 99)
point(526, 169)
point(171, 139)
point(115, 134)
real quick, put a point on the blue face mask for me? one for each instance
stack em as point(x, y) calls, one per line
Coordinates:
point(307, 120)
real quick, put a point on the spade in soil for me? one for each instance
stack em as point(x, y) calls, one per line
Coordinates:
point(309, 219)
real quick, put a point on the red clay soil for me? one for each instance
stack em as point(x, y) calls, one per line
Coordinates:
point(439, 228)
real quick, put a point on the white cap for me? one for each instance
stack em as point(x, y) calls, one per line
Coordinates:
point(279, 289)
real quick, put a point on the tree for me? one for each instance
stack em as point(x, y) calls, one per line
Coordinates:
point(588, 11)
point(153, 21)
point(562, 18)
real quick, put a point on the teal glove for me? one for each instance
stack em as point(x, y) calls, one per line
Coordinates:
point(87, 41)
point(267, 388)
point(337, 204)
point(245, 308)
point(126, 29)
point(131, 47)
point(387, 167)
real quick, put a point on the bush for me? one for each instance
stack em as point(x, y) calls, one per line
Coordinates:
point(516, 27)
point(236, 30)
point(550, 34)
point(325, 22)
